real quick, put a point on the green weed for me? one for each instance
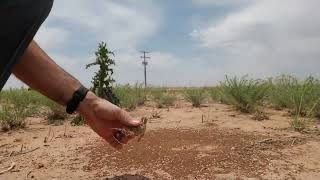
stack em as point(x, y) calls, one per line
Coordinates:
point(196, 96)
point(282, 88)
point(131, 96)
point(22, 103)
point(156, 92)
point(216, 94)
point(78, 121)
point(302, 97)
point(244, 94)
point(16, 105)
point(57, 112)
point(299, 124)
point(166, 100)
point(162, 98)
point(11, 118)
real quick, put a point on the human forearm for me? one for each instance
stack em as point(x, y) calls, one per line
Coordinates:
point(38, 70)
point(41, 73)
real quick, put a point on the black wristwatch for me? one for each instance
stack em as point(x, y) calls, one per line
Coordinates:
point(76, 99)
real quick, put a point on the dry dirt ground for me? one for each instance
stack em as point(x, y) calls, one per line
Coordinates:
point(211, 142)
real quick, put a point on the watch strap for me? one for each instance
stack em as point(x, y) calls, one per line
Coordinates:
point(77, 97)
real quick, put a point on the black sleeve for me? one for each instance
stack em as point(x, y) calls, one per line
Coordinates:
point(19, 22)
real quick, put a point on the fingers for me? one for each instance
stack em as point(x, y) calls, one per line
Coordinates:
point(123, 137)
point(118, 139)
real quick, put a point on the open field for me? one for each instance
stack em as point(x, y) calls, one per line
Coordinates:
point(213, 140)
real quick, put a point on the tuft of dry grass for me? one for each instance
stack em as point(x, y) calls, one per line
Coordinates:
point(246, 95)
point(131, 96)
point(299, 124)
point(196, 96)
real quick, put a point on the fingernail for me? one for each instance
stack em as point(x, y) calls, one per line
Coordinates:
point(135, 122)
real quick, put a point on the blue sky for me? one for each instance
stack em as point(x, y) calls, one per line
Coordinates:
point(192, 42)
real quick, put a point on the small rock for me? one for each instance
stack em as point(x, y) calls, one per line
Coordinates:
point(40, 165)
point(17, 140)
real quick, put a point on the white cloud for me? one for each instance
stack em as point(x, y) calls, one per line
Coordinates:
point(267, 37)
point(122, 24)
point(220, 2)
point(262, 38)
point(129, 68)
point(51, 38)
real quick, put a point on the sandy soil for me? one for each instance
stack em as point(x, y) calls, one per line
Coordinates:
point(212, 142)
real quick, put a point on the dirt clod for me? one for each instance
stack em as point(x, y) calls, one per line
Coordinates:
point(139, 131)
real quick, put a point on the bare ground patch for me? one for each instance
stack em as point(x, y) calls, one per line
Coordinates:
point(174, 154)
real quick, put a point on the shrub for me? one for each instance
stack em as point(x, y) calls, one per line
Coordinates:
point(299, 124)
point(156, 93)
point(302, 97)
point(216, 94)
point(103, 80)
point(305, 97)
point(162, 98)
point(11, 118)
point(131, 96)
point(78, 121)
point(196, 96)
point(282, 90)
point(166, 100)
point(28, 103)
point(57, 112)
point(244, 94)
point(21, 99)
point(16, 105)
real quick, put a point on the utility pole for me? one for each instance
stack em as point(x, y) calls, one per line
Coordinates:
point(145, 64)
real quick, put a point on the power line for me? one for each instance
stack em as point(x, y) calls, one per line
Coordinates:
point(145, 64)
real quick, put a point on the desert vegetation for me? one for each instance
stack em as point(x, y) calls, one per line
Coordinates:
point(18, 104)
point(196, 96)
point(300, 98)
point(161, 97)
point(283, 105)
point(130, 96)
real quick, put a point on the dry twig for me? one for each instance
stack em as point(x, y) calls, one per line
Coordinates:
point(27, 175)
point(9, 169)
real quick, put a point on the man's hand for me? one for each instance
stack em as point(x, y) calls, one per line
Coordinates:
point(104, 118)
point(39, 71)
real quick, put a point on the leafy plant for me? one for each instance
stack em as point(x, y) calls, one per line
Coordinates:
point(196, 96)
point(57, 112)
point(244, 94)
point(299, 96)
point(281, 91)
point(16, 105)
point(162, 98)
point(10, 118)
point(78, 121)
point(305, 97)
point(166, 100)
point(103, 81)
point(299, 124)
point(130, 96)
point(156, 93)
point(29, 103)
point(216, 94)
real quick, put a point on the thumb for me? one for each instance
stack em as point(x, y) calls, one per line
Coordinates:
point(127, 120)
